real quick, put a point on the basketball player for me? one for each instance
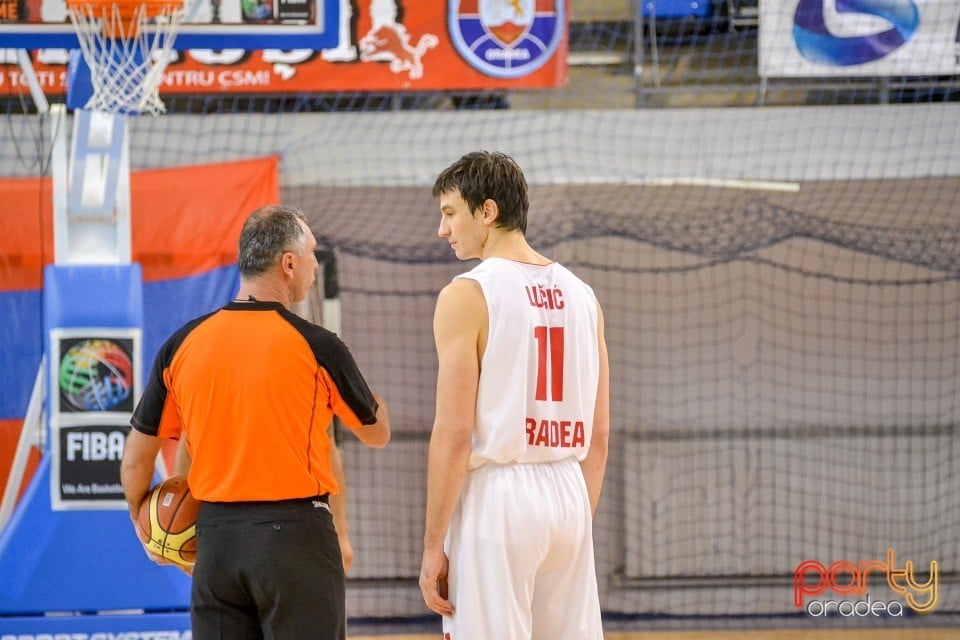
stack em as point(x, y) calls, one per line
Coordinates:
point(519, 444)
point(252, 387)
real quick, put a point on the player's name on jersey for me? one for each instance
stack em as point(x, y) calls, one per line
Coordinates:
point(555, 433)
point(545, 298)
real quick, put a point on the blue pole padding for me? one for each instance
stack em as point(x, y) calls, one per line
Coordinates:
point(79, 561)
point(80, 553)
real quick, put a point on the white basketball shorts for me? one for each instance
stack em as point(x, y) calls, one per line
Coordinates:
point(521, 556)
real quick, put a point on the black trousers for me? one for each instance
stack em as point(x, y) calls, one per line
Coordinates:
point(267, 571)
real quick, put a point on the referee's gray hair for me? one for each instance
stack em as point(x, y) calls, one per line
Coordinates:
point(267, 234)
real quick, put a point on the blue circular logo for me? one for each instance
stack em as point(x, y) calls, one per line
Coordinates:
point(817, 44)
point(506, 38)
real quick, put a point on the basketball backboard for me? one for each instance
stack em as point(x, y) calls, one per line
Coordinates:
point(208, 24)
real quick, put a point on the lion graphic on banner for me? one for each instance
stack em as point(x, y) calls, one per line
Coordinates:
point(391, 43)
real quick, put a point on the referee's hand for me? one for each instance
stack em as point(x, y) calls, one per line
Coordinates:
point(346, 551)
point(155, 557)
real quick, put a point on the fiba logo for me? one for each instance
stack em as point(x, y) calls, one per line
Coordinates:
point(818, 43)
point(506, 38)
point(95, 375)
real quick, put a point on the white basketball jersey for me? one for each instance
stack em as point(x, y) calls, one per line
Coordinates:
point(540, 370)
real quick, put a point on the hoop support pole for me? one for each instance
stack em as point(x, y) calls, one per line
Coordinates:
point(30, 435)
point(92, 192)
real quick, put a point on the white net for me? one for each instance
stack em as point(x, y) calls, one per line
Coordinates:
point(127, 46)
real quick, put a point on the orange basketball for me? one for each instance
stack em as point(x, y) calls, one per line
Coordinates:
point(167, 519)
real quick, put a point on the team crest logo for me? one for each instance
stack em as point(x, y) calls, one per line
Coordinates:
point(506, 38)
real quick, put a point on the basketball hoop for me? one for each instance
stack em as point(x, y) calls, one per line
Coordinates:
point(126, 44)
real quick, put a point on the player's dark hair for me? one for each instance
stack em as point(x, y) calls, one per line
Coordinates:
point(266, 235)
point(483, 175)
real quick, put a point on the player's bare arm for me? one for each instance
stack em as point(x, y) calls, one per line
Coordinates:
point(377, 434)
point(595, 464)
point(458, 322)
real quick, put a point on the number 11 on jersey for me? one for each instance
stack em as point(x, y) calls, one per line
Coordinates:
point(549, 340)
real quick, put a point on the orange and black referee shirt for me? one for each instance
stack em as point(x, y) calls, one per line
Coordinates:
point(252, 387)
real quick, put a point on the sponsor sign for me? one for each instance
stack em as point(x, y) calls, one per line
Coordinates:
point(136, 626)
point(384, 45)
point(88, 469)
point(812, 38)
point(95, 380)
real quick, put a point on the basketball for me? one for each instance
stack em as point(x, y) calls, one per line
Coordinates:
point(167, 519)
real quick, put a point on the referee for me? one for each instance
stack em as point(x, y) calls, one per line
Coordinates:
point(251, 389)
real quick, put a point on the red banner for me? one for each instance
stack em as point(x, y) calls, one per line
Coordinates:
point(184, 220)
point(388, 45)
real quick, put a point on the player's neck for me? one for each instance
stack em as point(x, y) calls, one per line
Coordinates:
point(511, 245)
